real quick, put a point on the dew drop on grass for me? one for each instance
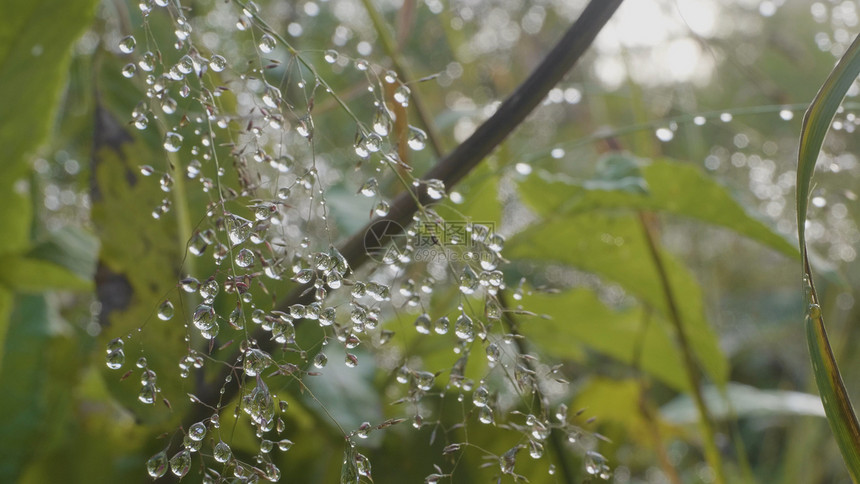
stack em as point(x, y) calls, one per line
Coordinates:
point(330, 56)
point(222, 452)
point(126, 45)
point(494, 354)
point(272, 97)
point(417, 139)
point(267, 44)
point(786, 115)
point(424, 380)
point(485, 415)
point(238, 228)
point(535, 449)
point(382, 208)
point(217, 63)
point(128, 70)
point(381, 122)
point(197, 431)
point(166, 182)
point(441, 325)
point(204, 317)
point(156, 466)
point(435, 188)
point(208, 290)
point(422, 324)
point(115, 359)
point(481, 396)
point(361, 64)
point(245, 258)
point(320, 360)
point(285, 445)
point(181, 463)
point(373, 143)
point(351, 360)
point(147, 61)
point(172, 141)
point(370, 187)
point(664, 134)
point(401, 95)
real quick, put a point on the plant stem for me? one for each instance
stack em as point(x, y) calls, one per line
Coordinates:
point(451, 169)
point(712, 454)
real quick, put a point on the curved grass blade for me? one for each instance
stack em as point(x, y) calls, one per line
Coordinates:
point(816, 122)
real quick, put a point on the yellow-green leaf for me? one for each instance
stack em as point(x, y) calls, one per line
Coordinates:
point(816, 123)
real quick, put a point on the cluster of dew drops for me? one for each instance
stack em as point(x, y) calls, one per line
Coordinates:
point(233, 238)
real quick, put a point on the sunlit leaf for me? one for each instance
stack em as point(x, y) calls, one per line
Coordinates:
point(614, 247)
point(661, 186)
point(741, 401)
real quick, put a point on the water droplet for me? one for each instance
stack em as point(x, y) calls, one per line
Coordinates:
point(351, 360)
point(217, 63)
point(255, 362)
point(401, 95)
point(115, 359)
point(285, 445)
point(222, 452)
point(305, 127)
point(238, 228)
point(320, 360)
point(424, 380)
point(441, 325)
point(267, 44)
point(197, 431)
point(204, 317)
point(245, 258)
point(208, 290)
point(464, 328)
point(147, 61)
point(422, 324)
point(664, 134)
point(156, 466)
point(181, 463)
point(813, 311)
point(166, 182)
point(382, 121)
point(786, 115)
point(417, 139)
point(535, 449)
point(481, 396)
point(272, 96)
point(594, 462)
point(373, 143)
point(126, 45)
point(330, 56)
point(370, 188)
point(435, 188)
point(494, 354)
point(485, 415)
point(260, 405)
point(382, 208)
point(361, 64)
point(172, 142)
point(128, 70)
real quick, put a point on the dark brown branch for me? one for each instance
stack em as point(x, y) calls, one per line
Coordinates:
point(454, 167)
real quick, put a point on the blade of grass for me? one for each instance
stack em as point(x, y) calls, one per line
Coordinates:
point(816, 123)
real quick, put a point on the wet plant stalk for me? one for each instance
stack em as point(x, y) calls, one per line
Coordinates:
point(397, 62)
point(555, 441)
point(454, 166)
point(712, 454)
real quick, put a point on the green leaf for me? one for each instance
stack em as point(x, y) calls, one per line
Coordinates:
point(743, 401)
point(16, 213)
point(614, 247)
point(816, 123)
point(36, 37)
point(23, 274)
point(36, 378)
point(660, 186)
point(578, 317)
point(70, 247)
